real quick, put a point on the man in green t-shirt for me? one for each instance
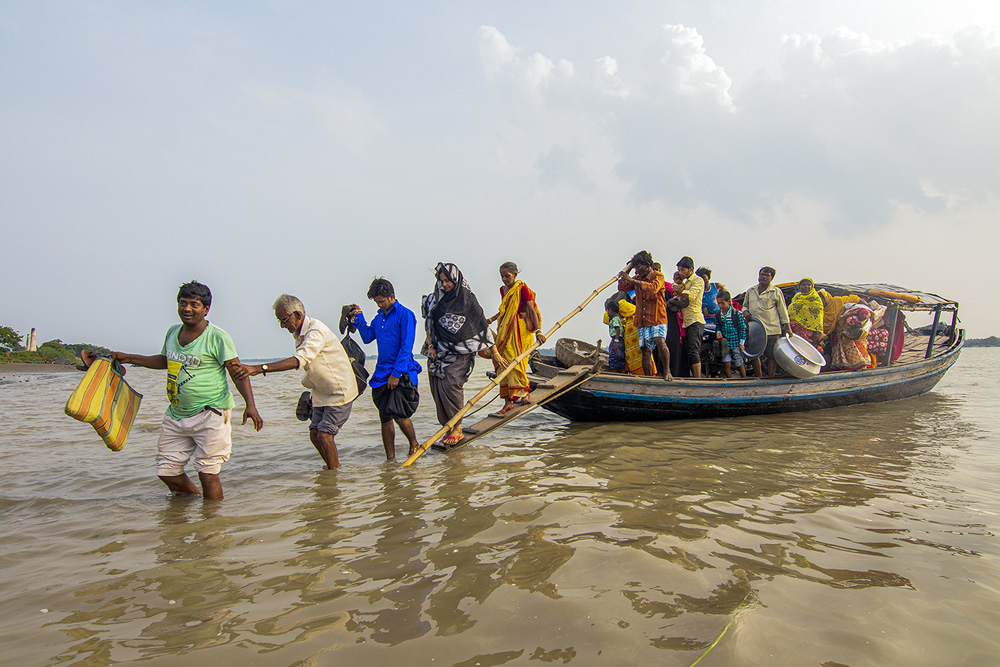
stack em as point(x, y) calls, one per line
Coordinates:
point(196, 355)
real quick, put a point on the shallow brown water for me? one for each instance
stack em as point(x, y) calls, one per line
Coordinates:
point(856, 536)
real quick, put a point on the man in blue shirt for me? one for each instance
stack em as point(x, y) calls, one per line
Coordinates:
point(394, 383)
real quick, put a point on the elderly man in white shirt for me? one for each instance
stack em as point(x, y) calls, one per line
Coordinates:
point(328, 373)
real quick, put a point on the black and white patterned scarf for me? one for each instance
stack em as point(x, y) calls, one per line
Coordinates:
point(454, 320)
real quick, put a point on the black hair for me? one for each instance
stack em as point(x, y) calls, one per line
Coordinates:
point(641, 258)
point(724, 295)
point(611, 305)
point(769, 269)
point(195, 290)
point(704, 272)
point(381, 287)
point(685, 262)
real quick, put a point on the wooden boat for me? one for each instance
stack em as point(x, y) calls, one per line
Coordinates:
point(571, 352)
point(926, 355)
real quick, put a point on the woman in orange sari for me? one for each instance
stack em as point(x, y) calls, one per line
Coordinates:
point(519, 323)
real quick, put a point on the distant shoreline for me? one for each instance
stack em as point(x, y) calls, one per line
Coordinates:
point(21, 368)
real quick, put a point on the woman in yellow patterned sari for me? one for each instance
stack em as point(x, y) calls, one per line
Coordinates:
point(805, 312)
point(519, 323)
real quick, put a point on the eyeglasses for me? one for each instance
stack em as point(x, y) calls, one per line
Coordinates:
point(284, 320)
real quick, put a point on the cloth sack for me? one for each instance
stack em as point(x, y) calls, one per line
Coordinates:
point(357, 357)
point(105, 400)
point(402, 401)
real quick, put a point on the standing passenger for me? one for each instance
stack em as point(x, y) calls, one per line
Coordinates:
point(651, 313)
point(675, 326)
point(729, 324)
point(616, 333)
point(519, 323)
point(328, 374)
point(456, 331)
point(709, 307)
point(196, 355)
point(394, 382)
point(766, 304)
point(694, 321)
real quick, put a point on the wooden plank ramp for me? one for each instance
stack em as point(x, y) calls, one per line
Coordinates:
point(563, 381)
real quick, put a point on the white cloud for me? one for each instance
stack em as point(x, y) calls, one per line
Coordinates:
point(531, 74)
point(688, 68)
point(495, 51)
point(854, 124)
point(607, 80)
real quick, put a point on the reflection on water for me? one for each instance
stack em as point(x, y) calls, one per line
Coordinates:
point(855, 536)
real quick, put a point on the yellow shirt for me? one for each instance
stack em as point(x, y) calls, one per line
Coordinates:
point(694, 288)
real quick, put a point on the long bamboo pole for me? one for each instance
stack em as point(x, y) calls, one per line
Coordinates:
point(510, 367)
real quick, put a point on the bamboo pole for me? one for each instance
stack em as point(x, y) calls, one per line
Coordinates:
point(510, 367)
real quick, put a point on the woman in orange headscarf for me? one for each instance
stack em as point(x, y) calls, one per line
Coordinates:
point(519, 323)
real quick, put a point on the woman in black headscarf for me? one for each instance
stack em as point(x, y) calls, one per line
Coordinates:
point(456, 331)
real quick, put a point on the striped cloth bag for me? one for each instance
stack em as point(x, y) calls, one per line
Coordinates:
point(105, 400)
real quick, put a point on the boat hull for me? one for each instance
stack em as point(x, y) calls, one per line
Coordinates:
point(614, 397)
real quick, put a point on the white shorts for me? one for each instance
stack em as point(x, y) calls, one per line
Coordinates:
point(206, 436)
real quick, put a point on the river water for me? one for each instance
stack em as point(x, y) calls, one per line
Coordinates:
point(853, 536)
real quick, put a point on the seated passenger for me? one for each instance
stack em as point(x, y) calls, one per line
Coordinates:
point(805, 313)
point(833, 306)
point(733, 328)
point(849, 346)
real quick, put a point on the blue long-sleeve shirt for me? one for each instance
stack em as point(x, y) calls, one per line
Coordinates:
point(395, 332)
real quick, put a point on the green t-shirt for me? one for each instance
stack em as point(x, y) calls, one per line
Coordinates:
point(196, 376)
point(615, 327)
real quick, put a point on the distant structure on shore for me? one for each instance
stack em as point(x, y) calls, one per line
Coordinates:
point(30, 344)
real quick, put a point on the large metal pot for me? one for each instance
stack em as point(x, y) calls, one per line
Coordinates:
point(756, 340)
point(797, 356)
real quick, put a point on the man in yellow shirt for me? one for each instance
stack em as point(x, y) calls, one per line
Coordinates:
point(692, 290)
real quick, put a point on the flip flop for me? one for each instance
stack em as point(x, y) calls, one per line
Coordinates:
point(452, 440)
point(503, 411)
point(303, 411)
point(346, 323)
point(88, 358)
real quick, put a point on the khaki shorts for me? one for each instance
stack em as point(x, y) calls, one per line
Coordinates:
point(206, 436)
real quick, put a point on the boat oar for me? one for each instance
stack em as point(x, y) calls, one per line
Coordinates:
point(510, 367)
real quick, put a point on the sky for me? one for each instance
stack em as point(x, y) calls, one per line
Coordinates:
point(306, 147)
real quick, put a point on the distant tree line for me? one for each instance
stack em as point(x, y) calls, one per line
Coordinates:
point(992, 341)
point(12, 349)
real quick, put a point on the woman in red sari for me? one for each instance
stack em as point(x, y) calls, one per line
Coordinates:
point(519, 323)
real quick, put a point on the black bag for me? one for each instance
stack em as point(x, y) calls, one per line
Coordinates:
point(401, 402)
point(357, 357)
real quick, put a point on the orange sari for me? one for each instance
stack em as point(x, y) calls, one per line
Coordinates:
point(514, 336)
